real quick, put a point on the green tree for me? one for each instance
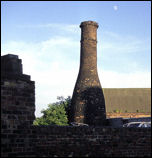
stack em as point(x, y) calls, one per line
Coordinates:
point(56, 113)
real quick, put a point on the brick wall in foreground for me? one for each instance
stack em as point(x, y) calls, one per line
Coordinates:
point(53, 141)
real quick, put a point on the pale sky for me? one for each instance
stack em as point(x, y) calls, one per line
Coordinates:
point(46, 36)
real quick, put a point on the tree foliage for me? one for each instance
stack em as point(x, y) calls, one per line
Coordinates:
point(56, 113)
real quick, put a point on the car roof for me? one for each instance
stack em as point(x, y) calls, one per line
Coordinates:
point(135, 122)
point(138, 122)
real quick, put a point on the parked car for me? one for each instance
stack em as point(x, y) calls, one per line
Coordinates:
point(78, 124)
point(138, 124)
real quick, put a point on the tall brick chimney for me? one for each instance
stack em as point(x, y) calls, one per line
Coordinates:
point(88, 104)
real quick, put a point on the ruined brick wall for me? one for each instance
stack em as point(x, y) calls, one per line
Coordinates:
point(17, 94)
point(19, 138)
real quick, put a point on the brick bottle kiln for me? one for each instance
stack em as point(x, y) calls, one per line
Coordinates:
point(88, 104)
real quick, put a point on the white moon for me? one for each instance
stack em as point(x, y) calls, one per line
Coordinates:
point(115, 7)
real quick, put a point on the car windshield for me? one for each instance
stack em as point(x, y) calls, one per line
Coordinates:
point(148, 124)
point(144, 125)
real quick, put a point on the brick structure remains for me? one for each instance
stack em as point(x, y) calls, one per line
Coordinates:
point(17, 94)
point(88, 104)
